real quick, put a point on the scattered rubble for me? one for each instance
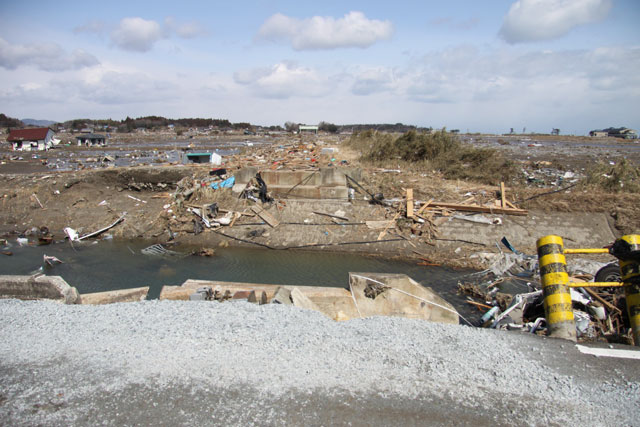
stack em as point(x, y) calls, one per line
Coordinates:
point(508, 294)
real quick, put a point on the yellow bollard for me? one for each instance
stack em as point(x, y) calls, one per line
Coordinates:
point(627, 250)
point(558, 308)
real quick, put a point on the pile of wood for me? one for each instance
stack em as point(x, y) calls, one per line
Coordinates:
point(423, 218)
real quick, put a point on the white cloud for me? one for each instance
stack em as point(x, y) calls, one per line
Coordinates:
point(100, 86)
point(567, 89)
point(44, 56)
point(93, 27)
point(283, 80)
point(136, 34)
point(126, 88)
point(534, 20)
point(372, 81)
point(185, 30)
point(318, 32)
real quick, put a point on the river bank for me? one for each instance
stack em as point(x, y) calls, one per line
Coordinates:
point(87, 201)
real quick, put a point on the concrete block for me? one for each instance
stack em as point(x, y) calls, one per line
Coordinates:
point(110, 297)
point(282, 296)
point(38, 287)
point(244, 175)
point(301, 300)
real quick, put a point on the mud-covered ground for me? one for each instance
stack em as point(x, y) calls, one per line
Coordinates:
point(89, 188)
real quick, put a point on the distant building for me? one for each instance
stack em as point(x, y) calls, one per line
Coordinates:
point(33, 139)
point(624, 133)
point(599, 133)
point(92, 139)
point(303, 128)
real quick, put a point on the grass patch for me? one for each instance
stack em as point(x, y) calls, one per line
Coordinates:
point(623, 177)
point(439, 151)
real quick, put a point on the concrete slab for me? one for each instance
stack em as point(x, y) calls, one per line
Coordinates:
point(38, 287)
point(579, 230)
point(110, 297)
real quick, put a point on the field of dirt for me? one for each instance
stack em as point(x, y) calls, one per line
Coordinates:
point(89, 188)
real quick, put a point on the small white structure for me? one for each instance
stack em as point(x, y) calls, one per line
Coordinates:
point(213, 158)
point(304, 128)
point(32, 139)
point(92, 139)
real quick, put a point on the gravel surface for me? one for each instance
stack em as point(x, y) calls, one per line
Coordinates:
point(171, 362)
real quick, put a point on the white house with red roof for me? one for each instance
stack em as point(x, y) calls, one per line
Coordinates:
point(31, 139)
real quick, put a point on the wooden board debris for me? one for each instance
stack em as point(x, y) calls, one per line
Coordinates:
point(391, 223)
point(425, 206)
point(265, 216)
point(477, 208)
point(409, 202)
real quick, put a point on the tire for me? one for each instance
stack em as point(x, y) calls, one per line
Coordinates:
point(608, 273)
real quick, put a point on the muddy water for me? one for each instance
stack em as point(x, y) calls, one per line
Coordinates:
point(109, 265)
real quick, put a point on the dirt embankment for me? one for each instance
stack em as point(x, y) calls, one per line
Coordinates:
point(88, 200)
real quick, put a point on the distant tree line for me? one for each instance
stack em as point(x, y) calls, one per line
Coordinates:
point(130, 124)
point(10, 122)
point(381, 127)
point(153, 122)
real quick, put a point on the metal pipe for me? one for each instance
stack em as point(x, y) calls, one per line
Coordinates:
point(586, 251)
point(595, 284)
point(555, 288)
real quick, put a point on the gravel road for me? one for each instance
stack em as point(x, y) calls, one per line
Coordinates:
point(203, 363)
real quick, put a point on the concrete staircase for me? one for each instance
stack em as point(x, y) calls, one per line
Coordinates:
point(323, 183)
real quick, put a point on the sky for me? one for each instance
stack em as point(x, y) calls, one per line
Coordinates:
point(477, 66)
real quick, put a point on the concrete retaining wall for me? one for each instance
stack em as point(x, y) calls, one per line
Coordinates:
point(38, 287)
point(578, 230)
point(323, 183)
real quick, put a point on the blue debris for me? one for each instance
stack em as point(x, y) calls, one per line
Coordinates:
point(227, 183)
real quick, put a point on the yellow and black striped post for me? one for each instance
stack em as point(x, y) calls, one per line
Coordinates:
point(558, 309)
point(627, 250)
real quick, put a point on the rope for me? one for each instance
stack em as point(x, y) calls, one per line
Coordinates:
point(414, 296)
point(300, 183)
point(303, 246)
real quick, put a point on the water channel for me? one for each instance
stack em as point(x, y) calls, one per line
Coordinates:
point(109, 265)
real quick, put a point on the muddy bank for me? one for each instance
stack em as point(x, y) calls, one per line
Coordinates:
point(159, 201)
point(90, 200)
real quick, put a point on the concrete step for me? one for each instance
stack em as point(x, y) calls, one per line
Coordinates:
point(310, 192)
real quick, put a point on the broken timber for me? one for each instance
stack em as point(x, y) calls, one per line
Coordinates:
point(102, 230)
point(477, 208)
point(265, 216)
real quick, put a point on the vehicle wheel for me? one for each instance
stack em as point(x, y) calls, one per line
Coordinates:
point(608, 273)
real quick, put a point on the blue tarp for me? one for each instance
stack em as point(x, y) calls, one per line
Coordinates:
point(227, 183)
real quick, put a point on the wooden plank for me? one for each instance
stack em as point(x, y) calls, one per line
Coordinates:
point(409, 202)
point(266, 216)
point(236, 216)
point(476, 208)
point(161, 196)
point(377, 225)
point(332, 216)
point(425, 206)
point(468, 200)
point(603, 301)
point(503, 198)
point(392, 222)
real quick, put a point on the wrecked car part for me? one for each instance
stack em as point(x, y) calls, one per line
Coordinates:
point(159, 250)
